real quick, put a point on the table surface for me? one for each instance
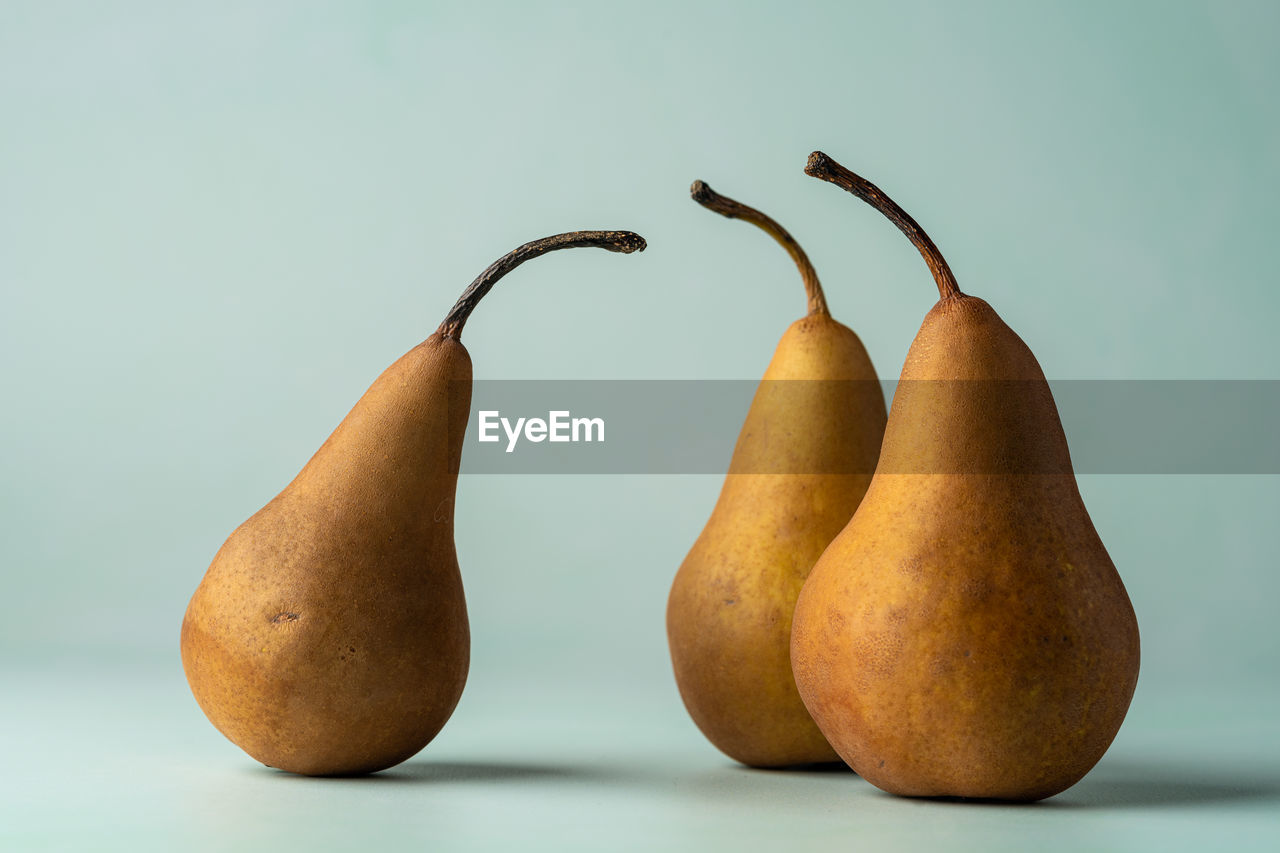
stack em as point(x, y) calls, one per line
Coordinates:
point(101, 758)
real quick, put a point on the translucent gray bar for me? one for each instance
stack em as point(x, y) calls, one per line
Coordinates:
point(690, 427)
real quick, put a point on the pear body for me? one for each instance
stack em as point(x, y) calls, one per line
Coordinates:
point(967, 634)
point(329, 636)
point(800, 466)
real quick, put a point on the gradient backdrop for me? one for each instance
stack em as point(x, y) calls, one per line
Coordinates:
point(219, 222)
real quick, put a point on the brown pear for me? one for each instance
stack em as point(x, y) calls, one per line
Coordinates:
point(801, 465)
point(329, 636)
point(967, 634)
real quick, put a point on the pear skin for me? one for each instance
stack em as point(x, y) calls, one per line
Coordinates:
point(329, 636)
point(800, 466)
point(967, 634)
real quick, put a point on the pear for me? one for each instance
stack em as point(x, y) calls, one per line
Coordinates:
point(801, 464)
point(966, 635)
point(329, 636)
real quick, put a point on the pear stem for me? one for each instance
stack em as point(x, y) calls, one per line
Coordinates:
point(822, 166)
point(712, 200)
point(625, 242)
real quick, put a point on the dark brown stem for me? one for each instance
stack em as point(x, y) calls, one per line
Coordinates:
point(712, 200)
point(613, 241)
point(822, 166)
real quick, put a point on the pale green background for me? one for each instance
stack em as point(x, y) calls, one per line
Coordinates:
point(219, 222)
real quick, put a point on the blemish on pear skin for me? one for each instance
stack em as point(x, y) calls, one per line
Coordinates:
point(879, 652)
point(286, 616)
point(442, 511)
point(912, 567)
point(976, 588)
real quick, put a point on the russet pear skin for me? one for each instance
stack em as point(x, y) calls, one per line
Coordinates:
point(800, 466)
point(329, 636)
point(967, 634)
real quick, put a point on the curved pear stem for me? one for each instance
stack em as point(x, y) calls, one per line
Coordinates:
point(612, 241)
point(822, 166)
point(712, 200)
